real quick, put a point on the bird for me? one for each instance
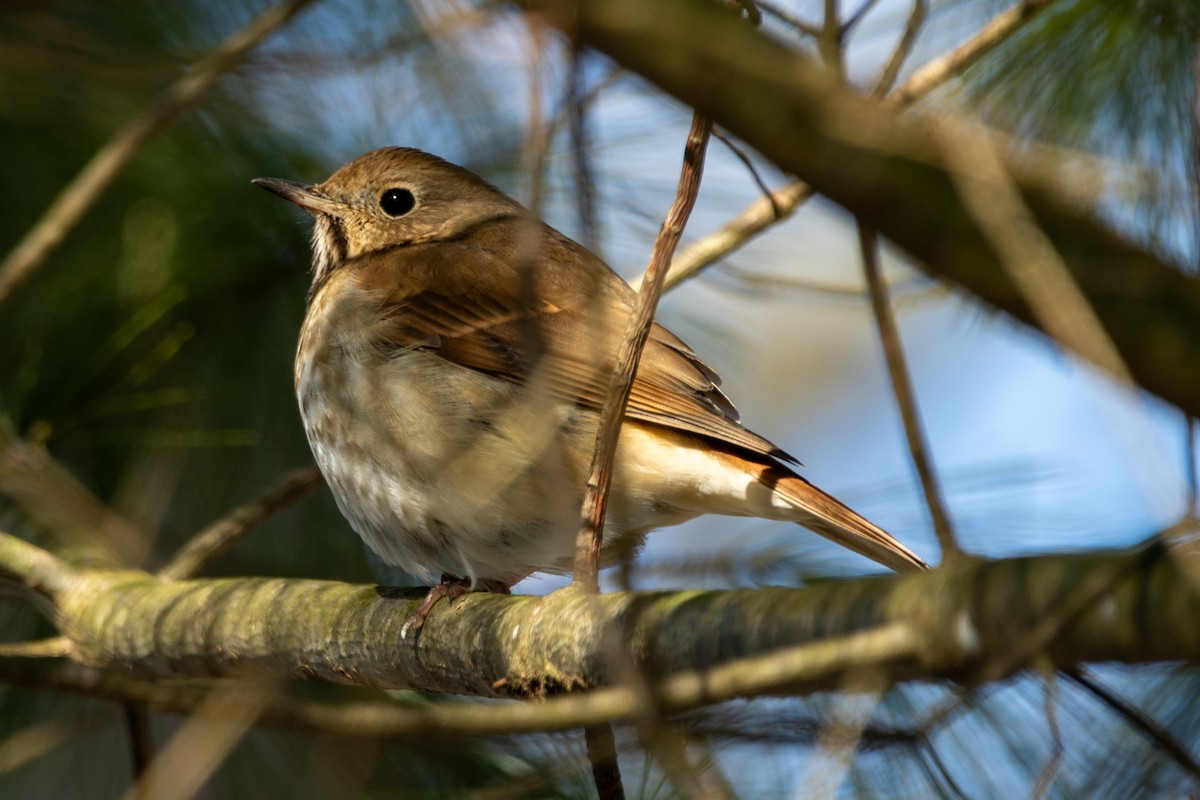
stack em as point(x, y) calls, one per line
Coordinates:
point(452, 362)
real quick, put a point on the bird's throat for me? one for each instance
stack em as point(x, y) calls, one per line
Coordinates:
point(329, 250)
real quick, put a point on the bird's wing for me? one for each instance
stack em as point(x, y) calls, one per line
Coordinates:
point(473, 307)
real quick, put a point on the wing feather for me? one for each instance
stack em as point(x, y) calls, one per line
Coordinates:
point(467, 301)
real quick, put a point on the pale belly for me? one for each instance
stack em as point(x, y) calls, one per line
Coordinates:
point(443, 470)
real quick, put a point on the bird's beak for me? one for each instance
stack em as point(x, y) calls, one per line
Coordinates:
point(307, 197)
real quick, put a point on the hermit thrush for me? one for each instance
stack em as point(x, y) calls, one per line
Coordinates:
point(451, 365)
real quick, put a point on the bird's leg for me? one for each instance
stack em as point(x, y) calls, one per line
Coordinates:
point(451, 588)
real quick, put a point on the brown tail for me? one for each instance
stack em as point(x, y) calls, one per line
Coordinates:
point(835, 521)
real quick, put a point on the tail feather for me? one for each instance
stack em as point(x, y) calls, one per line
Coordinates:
point(835, 521)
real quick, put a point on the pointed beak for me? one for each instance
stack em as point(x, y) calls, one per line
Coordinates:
point(307, 197)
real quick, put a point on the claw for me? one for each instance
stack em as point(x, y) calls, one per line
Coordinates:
point(451, 588)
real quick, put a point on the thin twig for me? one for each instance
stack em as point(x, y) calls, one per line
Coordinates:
point(222, 534)
point(754, 219)
point(906, 401)
point(34, 741)
point(787, 18)
point(967, 54)
point(85, 189)
point(744, 157)
point(858, 16)
point(33, 568)
point(585, 185)
point(903, 49)
point(54, 647)
point(842, 732)
point(760, 215)
point(1139, 722)
point(1046, 777)
point(590, 538)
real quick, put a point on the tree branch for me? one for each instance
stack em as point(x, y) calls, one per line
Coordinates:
point(222, 534)
point(762, 213)
point(589, 539)
point(902, 390)
point(943, 624)
point(892, 173)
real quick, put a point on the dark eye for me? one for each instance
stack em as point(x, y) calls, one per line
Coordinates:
point(397, 202)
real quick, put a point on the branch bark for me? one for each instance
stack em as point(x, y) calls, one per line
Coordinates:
point(970, 618)
point(891, 173)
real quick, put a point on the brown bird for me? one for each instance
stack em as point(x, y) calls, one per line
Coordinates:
point(451, 365)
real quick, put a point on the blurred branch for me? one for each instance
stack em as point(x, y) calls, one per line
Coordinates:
point(590, 538)
point(1049, 290)
point(742, 156)
point(903, 49)
point(957, 61)
point(1045, 778)
point(221, 535)
point(789, 19)
point(85, 189)
point(1163, 740)
point(902, 389)
point(87, 528)
point(894, 174)
point(601, 748)
point(33, 569)
point(784, 202)
point(195, 751)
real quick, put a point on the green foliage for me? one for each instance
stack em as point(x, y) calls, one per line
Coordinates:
point(1115, 78)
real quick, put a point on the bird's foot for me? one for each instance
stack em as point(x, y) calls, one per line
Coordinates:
point(451, 588)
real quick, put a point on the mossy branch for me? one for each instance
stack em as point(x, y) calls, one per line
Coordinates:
point(975, 620)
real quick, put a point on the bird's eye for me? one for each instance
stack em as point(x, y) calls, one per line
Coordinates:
point(397, 202)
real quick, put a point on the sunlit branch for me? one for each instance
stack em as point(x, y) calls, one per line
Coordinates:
point(590, 538)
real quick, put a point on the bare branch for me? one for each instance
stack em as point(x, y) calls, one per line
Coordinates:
point(85, 189)
point(33, 568)
point(1139, 722)
point(1046, 777)
point(221, 535)
point(787, 18)
point(903, 49)
point(198, 748)
point(82, 523)
point(754, 219)
point(779, 102)
point(742, 156)
point(759, 215)
point(906, 401)
point(602, 754)
point(967, 54)
point(590, 538)
point(1051, 292)
point(858, 16)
